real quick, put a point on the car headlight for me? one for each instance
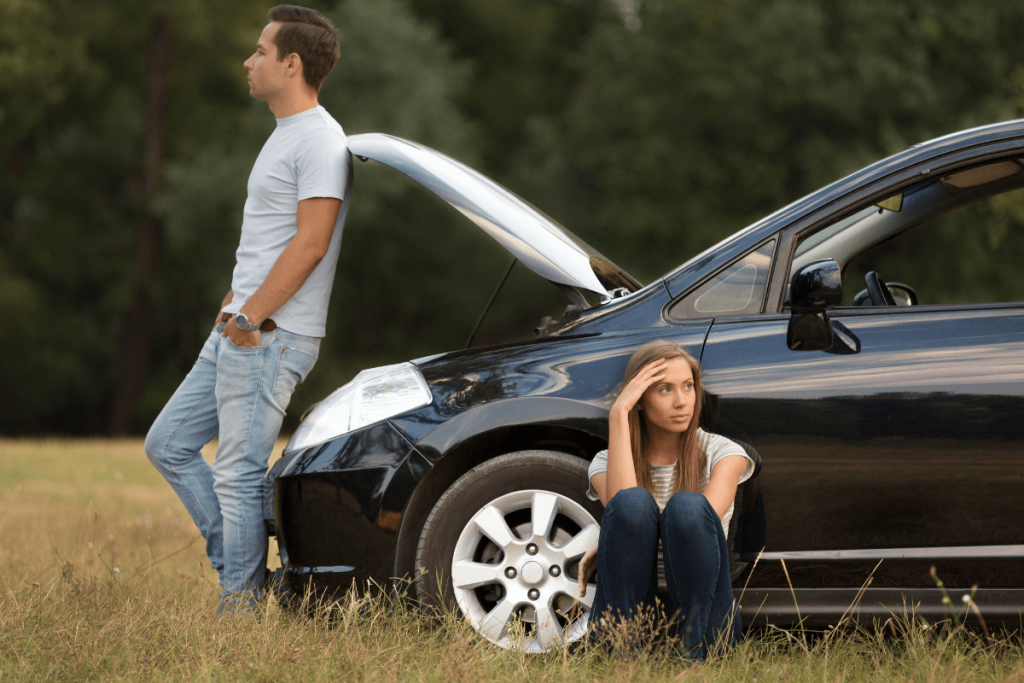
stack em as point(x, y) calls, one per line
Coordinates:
point(373, 395)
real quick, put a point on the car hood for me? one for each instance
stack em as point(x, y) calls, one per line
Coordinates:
point(544, 246)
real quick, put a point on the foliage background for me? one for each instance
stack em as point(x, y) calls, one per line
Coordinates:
point(651, 128)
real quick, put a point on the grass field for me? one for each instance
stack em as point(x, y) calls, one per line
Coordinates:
point(104, 577)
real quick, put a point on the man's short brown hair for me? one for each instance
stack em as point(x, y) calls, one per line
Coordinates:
point(310, 35)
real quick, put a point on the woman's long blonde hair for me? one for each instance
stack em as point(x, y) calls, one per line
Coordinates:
point(692, 459)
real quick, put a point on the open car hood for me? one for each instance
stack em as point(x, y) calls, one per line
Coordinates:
point(544, 246)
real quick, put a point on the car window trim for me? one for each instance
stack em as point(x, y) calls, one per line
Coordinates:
point(707, 278)
point(926, 308)
point(875, 191)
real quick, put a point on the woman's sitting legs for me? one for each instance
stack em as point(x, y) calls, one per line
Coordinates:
point(626, 555)
point(697, 572)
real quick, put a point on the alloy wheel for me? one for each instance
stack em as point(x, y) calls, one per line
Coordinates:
point(515, 567)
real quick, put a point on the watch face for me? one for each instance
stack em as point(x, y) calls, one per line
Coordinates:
point(242, 322)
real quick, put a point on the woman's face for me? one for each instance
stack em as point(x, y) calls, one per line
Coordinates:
point(668, 404)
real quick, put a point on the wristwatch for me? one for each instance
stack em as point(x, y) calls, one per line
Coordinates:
point(243, 323)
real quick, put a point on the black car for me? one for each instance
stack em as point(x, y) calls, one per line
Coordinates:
point(888, 430)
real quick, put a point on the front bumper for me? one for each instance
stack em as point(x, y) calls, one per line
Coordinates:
point(338, 509)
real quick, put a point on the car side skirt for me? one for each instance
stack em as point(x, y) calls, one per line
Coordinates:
point(820, 608)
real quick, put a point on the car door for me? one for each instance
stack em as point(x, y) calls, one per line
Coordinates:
point(904, 439)
point(900, 444)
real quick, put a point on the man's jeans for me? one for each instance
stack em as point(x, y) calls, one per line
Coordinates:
point(696, 566)
point(240, 395)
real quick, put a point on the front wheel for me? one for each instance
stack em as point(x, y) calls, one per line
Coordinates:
point(504, 544)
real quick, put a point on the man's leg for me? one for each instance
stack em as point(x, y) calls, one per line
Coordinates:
point(254, 386)
point(186, 424)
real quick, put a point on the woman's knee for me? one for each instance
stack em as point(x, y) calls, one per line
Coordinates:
point(634, 508)
point(636, 500)
point(689, 512)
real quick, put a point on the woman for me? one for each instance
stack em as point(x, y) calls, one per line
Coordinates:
point(665, 482)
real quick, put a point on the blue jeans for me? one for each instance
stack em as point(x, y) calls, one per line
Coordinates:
point(696, 567)
point(238, 395)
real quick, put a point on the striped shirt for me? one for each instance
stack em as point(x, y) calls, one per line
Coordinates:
point(663, 478)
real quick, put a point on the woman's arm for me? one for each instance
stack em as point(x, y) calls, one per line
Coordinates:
point(598, 481)
point(621, 474)
point(725, 477)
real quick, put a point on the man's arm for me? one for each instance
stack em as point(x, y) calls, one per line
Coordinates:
point(314, 226)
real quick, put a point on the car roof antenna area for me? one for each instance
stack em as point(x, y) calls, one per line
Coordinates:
point(490, 303)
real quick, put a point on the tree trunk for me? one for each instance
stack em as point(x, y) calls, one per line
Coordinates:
point(133, 363)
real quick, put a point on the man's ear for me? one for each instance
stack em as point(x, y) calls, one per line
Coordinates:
point(294, 63)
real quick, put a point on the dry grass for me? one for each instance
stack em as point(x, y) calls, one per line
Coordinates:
point(104, 577)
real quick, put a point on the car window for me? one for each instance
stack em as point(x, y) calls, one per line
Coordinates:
point(736, 289)
point(956, 240)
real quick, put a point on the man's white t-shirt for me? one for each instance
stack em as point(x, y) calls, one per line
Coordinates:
point(305, 157)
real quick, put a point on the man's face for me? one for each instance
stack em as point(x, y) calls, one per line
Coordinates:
point(266, 74)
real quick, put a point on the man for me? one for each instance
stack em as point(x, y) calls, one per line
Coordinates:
point(267, 336)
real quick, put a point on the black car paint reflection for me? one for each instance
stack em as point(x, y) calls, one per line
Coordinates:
point(898, 449)
point(911, 442)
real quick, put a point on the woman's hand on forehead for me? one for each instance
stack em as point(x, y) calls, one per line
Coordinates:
point(635, 388)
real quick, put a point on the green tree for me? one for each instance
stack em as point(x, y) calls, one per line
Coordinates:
point(526, 62)
point(79, 187)
point(712, 115)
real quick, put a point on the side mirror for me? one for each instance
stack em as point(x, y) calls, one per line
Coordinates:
point(816, 286)
point(813, 288)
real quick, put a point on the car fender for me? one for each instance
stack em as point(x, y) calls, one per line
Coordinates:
point(570, 426)
point(527, 412)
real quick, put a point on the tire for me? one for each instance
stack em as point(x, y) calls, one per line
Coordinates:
point(481, 533)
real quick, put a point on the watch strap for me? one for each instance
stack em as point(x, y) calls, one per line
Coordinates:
point(248, 326)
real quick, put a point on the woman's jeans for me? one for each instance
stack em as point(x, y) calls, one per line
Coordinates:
point(238, 394)
point(696, 567)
